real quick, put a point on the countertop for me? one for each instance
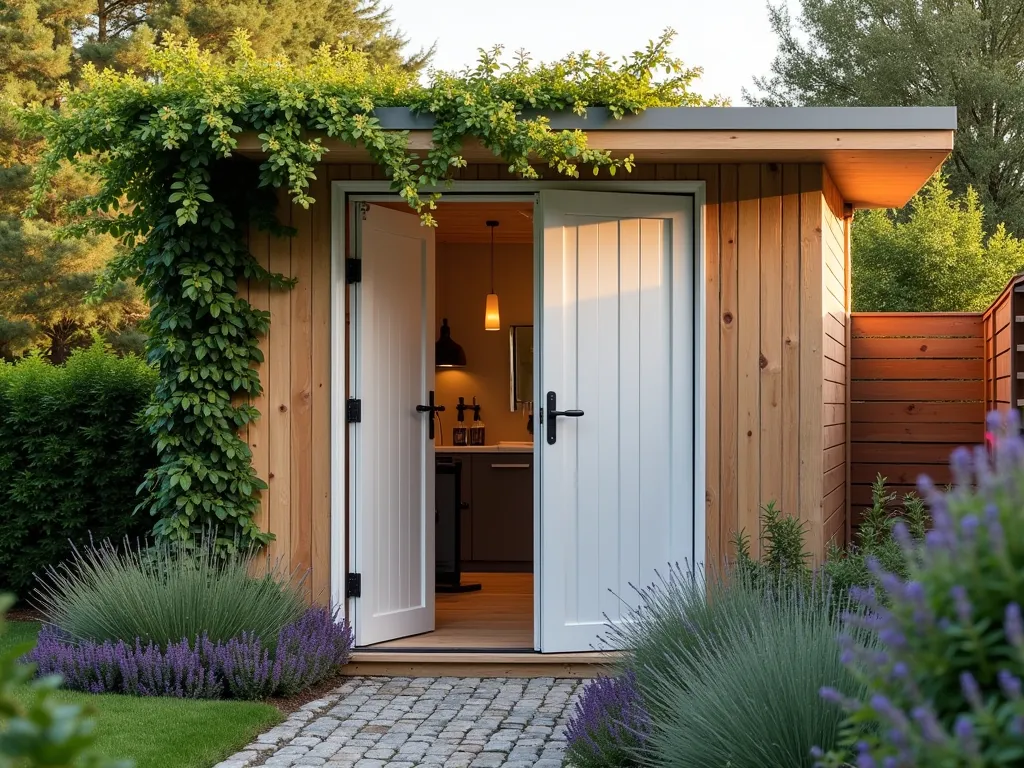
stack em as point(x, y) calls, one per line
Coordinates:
point(483, 448)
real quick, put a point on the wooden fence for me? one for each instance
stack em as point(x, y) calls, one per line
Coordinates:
point(917, 390)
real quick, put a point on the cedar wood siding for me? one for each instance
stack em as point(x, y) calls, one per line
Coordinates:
point(777, 308)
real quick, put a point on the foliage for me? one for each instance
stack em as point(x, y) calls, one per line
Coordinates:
point(944, 681)
point(935, 257)
point(745, 693)
point(874, 540)
point(170, 592)
point(43, 286)
point(608, 725)
point(39, 731)
point(71, 456)
point(679, 610)
point(895, 53)
point(781, 539)
point(169, 188)
point(303, 653)
point(43, 280)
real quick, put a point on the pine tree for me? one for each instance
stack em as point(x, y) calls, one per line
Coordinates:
point(43, 283)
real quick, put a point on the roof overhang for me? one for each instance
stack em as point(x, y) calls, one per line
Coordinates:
point(878, 157)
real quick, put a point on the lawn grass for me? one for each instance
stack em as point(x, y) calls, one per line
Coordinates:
point(163, 732)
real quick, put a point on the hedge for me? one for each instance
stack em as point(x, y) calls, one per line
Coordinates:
point(71, 457)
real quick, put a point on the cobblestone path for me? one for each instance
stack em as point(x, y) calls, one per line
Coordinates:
point(402, 722)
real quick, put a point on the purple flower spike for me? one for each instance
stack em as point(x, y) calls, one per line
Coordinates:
point(960, 463)
point(964, 612)
point(964, 732)
point(930, 728)
point(1010, 684)
point(969, 527)
point(1013, 626)
point(970, 689)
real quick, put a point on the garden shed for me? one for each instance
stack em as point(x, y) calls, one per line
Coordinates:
point(686, 361)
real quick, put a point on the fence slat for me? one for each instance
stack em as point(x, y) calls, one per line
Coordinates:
point(896, 324)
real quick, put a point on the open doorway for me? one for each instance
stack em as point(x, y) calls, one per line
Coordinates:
point(534, 543)
point(483, 458)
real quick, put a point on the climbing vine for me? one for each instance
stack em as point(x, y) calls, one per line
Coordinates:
point(171, 187)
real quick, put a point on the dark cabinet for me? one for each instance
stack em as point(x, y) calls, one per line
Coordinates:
point(503, 507)
point(463, 460)
point(497, 508)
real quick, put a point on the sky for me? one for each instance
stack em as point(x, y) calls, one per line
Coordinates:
point(730, 39)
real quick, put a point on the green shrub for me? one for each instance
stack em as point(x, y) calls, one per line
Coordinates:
point(873, 539)
point(71, 457)
point(743, 691)
point(782, 548)
point(681, 610)
point(168, 593)
point(42, 732)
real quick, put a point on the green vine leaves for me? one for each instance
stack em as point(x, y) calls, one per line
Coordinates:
point(163, 148)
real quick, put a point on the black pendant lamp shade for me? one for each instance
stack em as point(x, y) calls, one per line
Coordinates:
point(448, 354)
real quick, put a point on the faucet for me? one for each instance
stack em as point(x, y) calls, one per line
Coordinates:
point(462, 408)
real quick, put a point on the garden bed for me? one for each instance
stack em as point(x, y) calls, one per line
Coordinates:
point(158, 732)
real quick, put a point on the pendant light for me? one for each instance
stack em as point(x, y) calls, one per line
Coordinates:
point(447, 353)
point(492, 318)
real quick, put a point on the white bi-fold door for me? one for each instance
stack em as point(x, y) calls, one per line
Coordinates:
point(617, 359)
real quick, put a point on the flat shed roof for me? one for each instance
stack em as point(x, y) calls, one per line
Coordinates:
point(878, 157)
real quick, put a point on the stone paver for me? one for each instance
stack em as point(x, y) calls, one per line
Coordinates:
point(404, 722)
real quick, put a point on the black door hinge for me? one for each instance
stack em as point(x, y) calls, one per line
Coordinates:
point(353, 410)
point(354, 585)
point(353, 271)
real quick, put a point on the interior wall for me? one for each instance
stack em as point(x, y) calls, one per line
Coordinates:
point(463, 282)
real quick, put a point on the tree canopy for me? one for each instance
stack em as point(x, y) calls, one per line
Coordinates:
point(917, 53)
point(43, 282)
point(936, 258)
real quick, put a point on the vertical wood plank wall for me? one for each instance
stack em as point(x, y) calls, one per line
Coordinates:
point(775, 269)
point(917, 393)
point(291, 441)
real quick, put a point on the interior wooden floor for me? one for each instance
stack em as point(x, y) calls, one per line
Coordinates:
point(497, 617)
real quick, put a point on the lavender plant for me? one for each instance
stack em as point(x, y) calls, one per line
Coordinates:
point(169, 592)
point(608, 725)
point(245, 667)
point(943, 676)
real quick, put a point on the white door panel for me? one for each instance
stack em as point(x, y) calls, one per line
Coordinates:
point(392, 470)
point(617, 343)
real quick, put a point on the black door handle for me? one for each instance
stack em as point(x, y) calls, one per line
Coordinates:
point(552, 413)
point(431, 409)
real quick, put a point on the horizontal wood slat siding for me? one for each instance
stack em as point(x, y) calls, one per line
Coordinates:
point(998, 339)
point(835, 394)
point(918, 390)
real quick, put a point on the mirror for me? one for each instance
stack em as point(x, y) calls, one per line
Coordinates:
point(521, 365)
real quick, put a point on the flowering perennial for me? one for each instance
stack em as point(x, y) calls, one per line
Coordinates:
point(609, 722)
point(306, 652)
point(945, 653)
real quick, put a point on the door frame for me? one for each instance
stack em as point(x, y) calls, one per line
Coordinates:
point(345, 193)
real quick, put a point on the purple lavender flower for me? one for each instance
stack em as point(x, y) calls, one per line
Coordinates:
point(1010, 684)
point(609, 717)
point(962, 604)
point(970, 689)
point(1013, 626)
point(307, 651)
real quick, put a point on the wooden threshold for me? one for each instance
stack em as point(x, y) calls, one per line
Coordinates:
point(479, 664)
